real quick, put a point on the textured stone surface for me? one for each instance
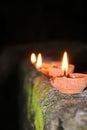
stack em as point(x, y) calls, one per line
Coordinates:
point(48, 109)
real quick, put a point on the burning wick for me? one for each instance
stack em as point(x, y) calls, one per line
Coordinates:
point(64, 73)
point(33, 58)
point(65, 64)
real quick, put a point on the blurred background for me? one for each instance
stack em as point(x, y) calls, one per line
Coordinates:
point(46, 26)
point(43, 21)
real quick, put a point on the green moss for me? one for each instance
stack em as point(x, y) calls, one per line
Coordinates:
point(34, 110)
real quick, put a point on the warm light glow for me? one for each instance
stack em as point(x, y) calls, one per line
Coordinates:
point(65, 62)
point(39, 61)
point(33, 58)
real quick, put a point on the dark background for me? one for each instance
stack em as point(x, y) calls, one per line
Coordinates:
point(42, 21)
point(58, 24)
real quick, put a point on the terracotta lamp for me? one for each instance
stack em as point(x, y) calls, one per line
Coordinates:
point(69, 83)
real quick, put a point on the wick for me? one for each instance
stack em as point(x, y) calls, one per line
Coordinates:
point(64, 73)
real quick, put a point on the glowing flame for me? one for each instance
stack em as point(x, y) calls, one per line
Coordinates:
point(65, 62)
point(33, 58)
point(39, 61)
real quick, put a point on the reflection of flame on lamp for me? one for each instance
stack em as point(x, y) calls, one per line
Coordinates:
point(33, 58)
point(65, 63)
point(39, 61)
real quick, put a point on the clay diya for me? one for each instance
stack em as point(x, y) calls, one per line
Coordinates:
point(51, 68)
point(72, 84)
point(69, 83)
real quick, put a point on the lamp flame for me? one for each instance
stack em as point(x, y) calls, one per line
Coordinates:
point(33, 58)
point(39, 61)
point(65, 63)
